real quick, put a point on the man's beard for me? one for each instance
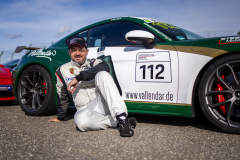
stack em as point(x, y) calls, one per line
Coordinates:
point(82, 61)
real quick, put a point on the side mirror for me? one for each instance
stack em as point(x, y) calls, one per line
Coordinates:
point(143, 37)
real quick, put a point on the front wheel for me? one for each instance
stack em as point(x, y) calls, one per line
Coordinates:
point(219, 93)
point(36, 91)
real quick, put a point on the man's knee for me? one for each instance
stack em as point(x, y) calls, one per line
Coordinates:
point(82, 119)
point(103, 77)
point(102, 74)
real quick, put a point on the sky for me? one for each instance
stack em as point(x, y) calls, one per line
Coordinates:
point(42, 22)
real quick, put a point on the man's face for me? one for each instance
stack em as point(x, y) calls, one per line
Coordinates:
point(78, 54)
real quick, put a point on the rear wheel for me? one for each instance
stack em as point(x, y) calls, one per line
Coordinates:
point(219, 93)
point(36, 91)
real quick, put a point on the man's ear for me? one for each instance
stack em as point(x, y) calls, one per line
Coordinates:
point(87, 52)
point(69, 52)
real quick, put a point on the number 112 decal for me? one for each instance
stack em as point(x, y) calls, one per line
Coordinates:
point(153, 67)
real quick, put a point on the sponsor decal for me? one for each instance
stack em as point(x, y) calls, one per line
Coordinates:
point(150, 96)
point(165, 25)
point(148, 21)
point(228, 40)
point(180, 38)
point(43, 54)
point(69, 78)
point(153, 67)
point(71, 70)
point(144, 56)
point(162, 34)
point(115, 19)
point(5, 88)
point(162, 24)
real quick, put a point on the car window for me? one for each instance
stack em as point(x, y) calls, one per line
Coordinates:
point(112, 34)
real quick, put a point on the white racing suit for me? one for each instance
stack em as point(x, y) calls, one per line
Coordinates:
point(96, 97)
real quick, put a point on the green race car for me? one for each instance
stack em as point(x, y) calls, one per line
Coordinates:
point(158, 68)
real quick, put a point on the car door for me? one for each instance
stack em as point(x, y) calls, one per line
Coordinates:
point(149, 75)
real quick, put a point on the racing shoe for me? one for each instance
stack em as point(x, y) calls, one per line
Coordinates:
point(125, 128)
point(133, 121)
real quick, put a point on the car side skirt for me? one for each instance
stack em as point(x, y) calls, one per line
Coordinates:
point(160, 108)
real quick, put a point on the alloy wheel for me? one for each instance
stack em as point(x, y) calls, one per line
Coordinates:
point(222, 94)
point(33, 90)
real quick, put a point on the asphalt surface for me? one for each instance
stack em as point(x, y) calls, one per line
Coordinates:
point(156, 137)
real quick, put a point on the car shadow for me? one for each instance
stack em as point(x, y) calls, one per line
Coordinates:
point(9, 103)
point(197, 122)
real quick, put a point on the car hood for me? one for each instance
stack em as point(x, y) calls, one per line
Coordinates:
point(212, 47)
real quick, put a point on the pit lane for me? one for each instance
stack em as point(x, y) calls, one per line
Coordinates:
point(156, 137)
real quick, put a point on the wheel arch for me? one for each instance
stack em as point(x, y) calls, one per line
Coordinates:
point(196, 109)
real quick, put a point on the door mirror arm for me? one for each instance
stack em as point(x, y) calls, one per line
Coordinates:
point(149, 45)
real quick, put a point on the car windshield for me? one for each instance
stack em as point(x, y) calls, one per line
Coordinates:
point(174, 32)
point(11, 64)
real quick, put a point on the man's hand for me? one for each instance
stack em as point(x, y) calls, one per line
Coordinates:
point(72, 85)
point(54, 120)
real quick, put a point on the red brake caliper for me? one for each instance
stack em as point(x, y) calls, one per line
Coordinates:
point(45, 90)
point(219, 97)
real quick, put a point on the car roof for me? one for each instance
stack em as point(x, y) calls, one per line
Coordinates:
point(139, 20)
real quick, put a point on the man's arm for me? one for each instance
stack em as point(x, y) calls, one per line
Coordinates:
point(62, 99)
point(90, 73)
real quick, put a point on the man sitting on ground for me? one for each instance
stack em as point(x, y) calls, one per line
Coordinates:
point(94, 93)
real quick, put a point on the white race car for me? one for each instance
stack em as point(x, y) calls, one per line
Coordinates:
point(158, 68)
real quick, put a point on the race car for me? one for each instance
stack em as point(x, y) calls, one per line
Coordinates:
point(6, 93)
point(159, 68)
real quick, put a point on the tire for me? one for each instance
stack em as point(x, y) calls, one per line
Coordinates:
point(36, 94)
point(219, 93)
